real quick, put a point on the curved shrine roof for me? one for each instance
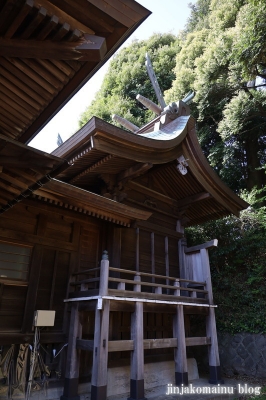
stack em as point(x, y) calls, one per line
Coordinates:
point(147, 163)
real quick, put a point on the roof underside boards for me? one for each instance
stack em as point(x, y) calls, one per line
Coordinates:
point(49, 49)
point(100, 148)
point(23, 170)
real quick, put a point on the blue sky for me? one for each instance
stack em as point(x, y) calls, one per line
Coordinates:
point(167, 16)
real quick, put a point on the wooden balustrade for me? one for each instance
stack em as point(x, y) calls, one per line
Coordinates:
point(137, 283)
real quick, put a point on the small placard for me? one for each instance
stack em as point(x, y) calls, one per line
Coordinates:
point(44, 318)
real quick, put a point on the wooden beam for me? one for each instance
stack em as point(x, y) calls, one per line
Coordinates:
point(63, 16)
point(9, 188)
point(28, 162)
point(63, 31)
point(152, 193)
point(122, 13)
point(160, 343)
point(27, 7)
point(207, 245)
point(154, 296)
point(47, 29)
point(6, 11)
point(39, 17)
point(150, 227)
point(128, 345)
point(89, 48)
point(193, 199)
point(134, 172)
point(128, 306)
point(120, 345)
point(92, 16)
point(198, 341)
point(166, 199)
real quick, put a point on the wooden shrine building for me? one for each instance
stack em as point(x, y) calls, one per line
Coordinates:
point(95, 230)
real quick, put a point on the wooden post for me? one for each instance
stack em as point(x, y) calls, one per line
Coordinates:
point(103, 290)
point(177, 286)
point(115, 257)
point(214, 360)
point(72, 362)
point(100, 353)
point(181, 371)
point(137, 355)
point(137, 288)
point(183, 264)
point(182, 243)
point(167, 271)
point(152, 256)
point(137, 249)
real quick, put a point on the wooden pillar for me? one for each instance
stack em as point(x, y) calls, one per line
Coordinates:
point(137, 249)
point(115, 258)
point(182, 243)
point(181, 371)
point(72, 361)
point(214, 360)
point(104, 274)
point(137, 355)
point(100, 353)
point(166, 252)
point(152, 256)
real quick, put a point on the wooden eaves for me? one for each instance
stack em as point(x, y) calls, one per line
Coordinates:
point(23, 170)
point(79, 200)
point(27, 172)
point(50, 49)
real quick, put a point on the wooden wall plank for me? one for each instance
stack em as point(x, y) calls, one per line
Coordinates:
point(35, 269)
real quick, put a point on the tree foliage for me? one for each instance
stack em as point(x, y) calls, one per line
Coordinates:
point(223, 48)
point(127, 77)
point(238, 267)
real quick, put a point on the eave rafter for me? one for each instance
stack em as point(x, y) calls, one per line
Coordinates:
point(89, 48)
point(91, 168)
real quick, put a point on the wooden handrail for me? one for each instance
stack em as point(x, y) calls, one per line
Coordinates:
point(155, 276)
point(142, 283)
point(136, 282)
